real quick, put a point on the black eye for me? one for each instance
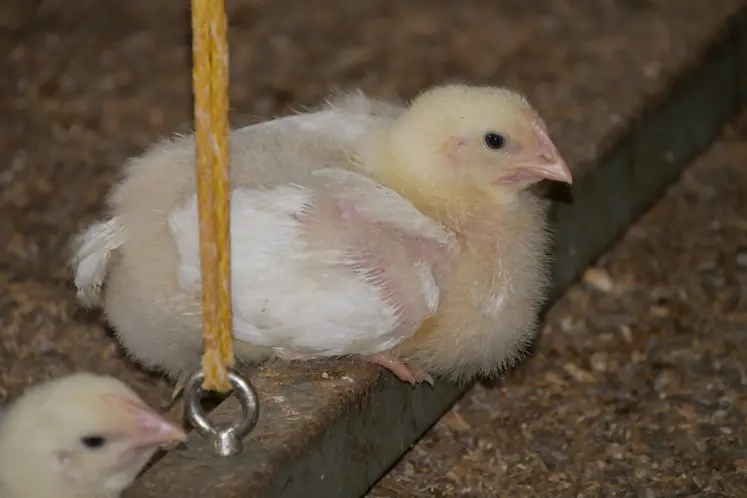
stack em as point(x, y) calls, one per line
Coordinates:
point(93, 442)
point(495, 141)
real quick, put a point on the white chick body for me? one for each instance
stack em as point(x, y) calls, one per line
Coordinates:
point(80, 436)
point(462, 246)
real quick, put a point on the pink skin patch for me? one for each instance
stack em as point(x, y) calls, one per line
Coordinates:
point(348, 212)
point(377, 264)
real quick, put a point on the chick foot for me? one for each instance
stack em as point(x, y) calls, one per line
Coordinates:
point(411, 374)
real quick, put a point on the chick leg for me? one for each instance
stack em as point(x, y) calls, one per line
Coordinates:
point(411, 374)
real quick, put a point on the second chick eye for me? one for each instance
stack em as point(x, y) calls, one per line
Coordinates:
point(495, 141)
point(93, 442)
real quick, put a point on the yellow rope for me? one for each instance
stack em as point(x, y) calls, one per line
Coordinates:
point(210, 83)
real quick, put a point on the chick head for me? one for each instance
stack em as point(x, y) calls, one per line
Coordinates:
point(82, 435)
point(457, 140)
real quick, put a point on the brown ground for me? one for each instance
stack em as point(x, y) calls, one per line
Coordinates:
point(86, 84)
point(639, 387)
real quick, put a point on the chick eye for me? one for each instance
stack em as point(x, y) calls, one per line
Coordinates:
point(93, 442)
point(495, 141)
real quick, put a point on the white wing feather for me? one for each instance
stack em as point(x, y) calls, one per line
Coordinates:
point(292, 294)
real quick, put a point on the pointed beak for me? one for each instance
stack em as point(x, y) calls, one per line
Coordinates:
point(150, 429)
point(542, 163)
point(550, 166)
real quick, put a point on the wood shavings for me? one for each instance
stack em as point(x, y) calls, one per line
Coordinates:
point(599, 279)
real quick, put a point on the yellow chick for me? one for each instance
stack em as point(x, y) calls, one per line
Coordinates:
point(401, 235)
point(79, 436)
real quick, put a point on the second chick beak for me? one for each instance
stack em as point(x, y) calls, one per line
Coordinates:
point(150, 428)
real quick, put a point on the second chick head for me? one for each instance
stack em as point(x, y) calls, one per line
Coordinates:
point(83, 433)
point(477, 138)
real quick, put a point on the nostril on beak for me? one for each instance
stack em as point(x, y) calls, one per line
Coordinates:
point(548, 157)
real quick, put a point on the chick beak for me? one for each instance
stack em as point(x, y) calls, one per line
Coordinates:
point(150, 429)
point(543, 163)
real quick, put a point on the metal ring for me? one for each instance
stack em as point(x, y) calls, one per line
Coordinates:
point(227, 441)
